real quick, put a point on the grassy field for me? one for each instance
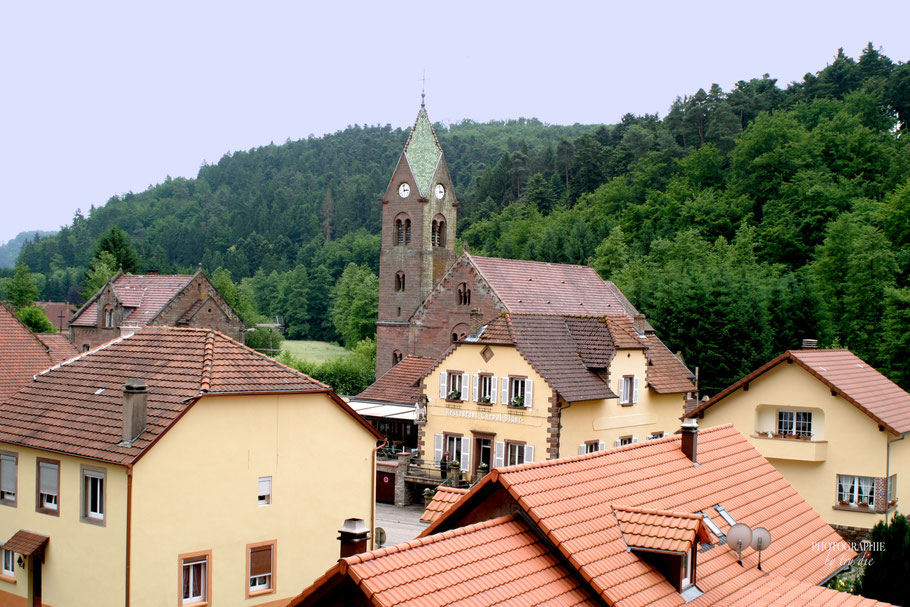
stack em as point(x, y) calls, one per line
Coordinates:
point(314, 351)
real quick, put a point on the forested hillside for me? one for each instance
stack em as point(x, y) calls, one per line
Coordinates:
point(741, 222)
point(9, 251)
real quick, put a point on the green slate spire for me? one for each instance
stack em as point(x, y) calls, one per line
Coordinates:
point(423, 152)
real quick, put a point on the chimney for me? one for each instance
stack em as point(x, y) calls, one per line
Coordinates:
point(353, 537)
point(690, 439)
point(638, 323)
point(476, 321)
point(810, 344)
point(135, 400)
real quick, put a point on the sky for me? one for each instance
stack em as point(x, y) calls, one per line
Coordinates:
point(101, 98)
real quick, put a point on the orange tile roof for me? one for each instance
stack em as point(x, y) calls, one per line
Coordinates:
point(651, 529)
point(500, 561)
point(142, 295)
point(58, 346)
point(442, 500)
point(534, 287)
point(22, 354)
point(400, 384)
point(58, 312)
point(848, 375)
point(76, 407)
point(26, 543)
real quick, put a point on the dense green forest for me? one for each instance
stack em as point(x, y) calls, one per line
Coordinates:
point(740, 223)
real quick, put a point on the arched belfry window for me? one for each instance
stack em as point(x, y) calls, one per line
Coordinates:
point(438, 234)
point(397, 356)
point(463, 294)
point(402, 230)
point(399, 281)
point(108, 317)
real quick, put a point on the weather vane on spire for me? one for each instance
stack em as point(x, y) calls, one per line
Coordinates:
point(423, 87)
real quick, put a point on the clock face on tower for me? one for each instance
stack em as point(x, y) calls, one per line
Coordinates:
point(440, 191)
point(404, 190)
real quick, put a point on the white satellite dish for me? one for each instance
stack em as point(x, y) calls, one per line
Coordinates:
point(761, 539)
point(738, 538)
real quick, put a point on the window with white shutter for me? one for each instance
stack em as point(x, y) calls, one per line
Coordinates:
point(529, 453)
point(465, 457)
point(529, 394)
point(443, 383)
point(494, 383)
point(635, 390)
point(504, 382)
point(500, 455)
point(437, 449)
point(475, 388)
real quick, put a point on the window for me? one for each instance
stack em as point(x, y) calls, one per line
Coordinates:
point(399, 281)
point(452, 446)
point(515, 454)
point(512, 453)
point(463, 294)
point(591, 446)
point(438, 233)
point(454, 391)
point(486, 389)
point(517, 391)
point(892, 489)
point(9, 564)
point(108, 317)
point(261, 567)
point(92, 495)
point(855, 490)
point(722, 511)
point(794, 423)
point(9, 464)
point(264, 494)
point(48, 486)
point(396, 357)
point(85, 347)
point(625, 440)
point(195, 578)
point(628, 390)
point(402, 231)
point(656, 435)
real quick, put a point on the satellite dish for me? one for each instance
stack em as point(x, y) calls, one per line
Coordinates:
point(738, 538)
point(761, 539)
point(379, 536)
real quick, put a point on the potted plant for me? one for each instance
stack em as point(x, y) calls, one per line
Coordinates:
point(777, 435)
point(482, 470)
point(485, 400)
point(892, 503)
point(763, 434)
point(844, 503)
point(862, 505)
point(428, 494)
point(518, 402)
point(805, 437)
point(454, 395)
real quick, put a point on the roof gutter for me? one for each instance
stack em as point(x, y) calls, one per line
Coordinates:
point(129, 531)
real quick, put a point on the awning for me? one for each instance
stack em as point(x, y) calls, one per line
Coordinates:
point(27, 543)
point(385, 411)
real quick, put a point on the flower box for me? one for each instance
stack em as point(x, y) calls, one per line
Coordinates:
point(763, 434)
point(454, 395)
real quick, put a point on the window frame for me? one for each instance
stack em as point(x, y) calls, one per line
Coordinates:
point(627, 390)
point(400, 279)
point(259, 494)
point(488, 379)
point(108, 317)
point(794, 423)
point(39, 507)
point(85, 514)
point(855, 491)
point(451, 383)
point(891, 490)
point(514, 380)
point(10, 455)
point(271, 588)
point(7, 575)
point(520, 452)
point(205, 557)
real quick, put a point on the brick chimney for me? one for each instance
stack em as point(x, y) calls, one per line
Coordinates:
point(353, 537)
point(476, 321)
point(689, 433)
point(135, 403)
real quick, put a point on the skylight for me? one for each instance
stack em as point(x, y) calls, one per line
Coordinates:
point(725, 515)
point(711, 525)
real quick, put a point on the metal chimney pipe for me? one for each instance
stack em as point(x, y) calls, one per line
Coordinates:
point(689, 433)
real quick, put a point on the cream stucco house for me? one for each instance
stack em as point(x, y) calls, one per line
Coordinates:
point(175, 467)
point(832, 425)
point(530, 387)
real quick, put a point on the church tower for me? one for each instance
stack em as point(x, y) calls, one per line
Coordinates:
point(418, 238)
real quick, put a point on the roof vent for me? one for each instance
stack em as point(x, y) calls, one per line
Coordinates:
point(690, 439)
point(810, 344)
point(353, 537)
point(135, 403)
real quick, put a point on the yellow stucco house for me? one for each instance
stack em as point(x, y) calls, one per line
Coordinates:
point(175, 467)
point(528, 387)
point(835, 428)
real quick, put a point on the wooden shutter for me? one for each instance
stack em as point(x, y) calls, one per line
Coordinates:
point(529, 453)
point(465, 453)
point(529, 394)
point(635, 390)
point(617, 443)
point(634, 439)
point(443, 378)
point(582, 449)
point(437, 449)
point(494, 387)
point(505, 390)
point(465, 386)
point(500, 456)
point(475, 394)
point(260, 560)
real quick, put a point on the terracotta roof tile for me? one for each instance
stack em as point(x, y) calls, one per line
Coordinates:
point(58, 346)
point(848, 375)
point(143, 296)
point(22, 354)
point(76, 407)
point(442, 500)
point(400, 384)
point(26, 543)
point(658, 529)
point(58, 312)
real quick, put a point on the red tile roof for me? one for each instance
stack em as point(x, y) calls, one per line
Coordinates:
point(848, 375)
point(58, 312)
point(534, 287)
point(400, 384)
point(651, 529)
point(143, 296)
point(58, 346)
point(22, 354)
point(76, 407)
point(26, 543)
point(442, 500)
point(585, 507)
point(569, 351)
point(500, 561)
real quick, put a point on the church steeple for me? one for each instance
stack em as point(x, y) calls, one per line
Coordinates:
point(419, 210)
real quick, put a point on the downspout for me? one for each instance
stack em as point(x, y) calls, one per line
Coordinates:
point(373, 494)
point(888, 470)
point(129, 528)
